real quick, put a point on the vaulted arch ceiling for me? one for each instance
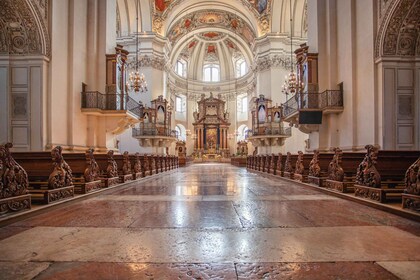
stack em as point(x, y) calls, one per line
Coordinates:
point(230, 27)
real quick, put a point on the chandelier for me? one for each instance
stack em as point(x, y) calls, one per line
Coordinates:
point(137, 81)
point(290, 85)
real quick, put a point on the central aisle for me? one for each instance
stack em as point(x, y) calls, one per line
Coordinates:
point(211, 221)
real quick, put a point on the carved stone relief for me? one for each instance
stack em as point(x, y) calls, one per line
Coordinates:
point(20, 31)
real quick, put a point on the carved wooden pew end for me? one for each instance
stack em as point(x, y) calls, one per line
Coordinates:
point(47, 196)
point(347, 186)
point(15, 204)
point(13, 185)
point(411, 202)
point(83, 187)
point(381, 195)
point(318, 181)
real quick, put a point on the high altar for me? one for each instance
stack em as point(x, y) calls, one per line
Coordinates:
point(211, 124)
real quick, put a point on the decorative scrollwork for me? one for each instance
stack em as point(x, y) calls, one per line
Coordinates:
point(92, 169)
point(288, 164)
point(314, 168)
point(61, 175)
point(126, 163)
point(412, 178)
point(137, 163)
point(111, 169)
point(335, 171)
point(13, 178)
point(299, 168)
point(367, 175)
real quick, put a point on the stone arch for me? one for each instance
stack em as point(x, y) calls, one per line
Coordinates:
point(23, 27)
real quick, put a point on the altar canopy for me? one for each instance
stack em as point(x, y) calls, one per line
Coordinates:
point(211, 124)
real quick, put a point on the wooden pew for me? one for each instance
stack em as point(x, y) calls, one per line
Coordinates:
point(273, 164)
point(302, 167)
point(109, 169)
point(239, 161)
point(281, 160)
point(411, 195)
point(288, 171)
point(342, 170)
point(124, 167)
point(50, 177)
point(137, 170)
point(318, 168)
point(381, 174)
point(14, 183)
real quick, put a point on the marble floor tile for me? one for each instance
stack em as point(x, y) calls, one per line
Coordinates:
point(7, 231)
point(404, 270)
point(21, 270)
point(313, 271)
point(322, 244)
point(197, 214)
point(154, 271)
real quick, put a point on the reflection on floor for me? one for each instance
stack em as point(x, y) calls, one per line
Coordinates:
point(212, 221)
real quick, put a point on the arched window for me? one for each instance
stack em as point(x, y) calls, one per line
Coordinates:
point(240, 67)
point(211, 73)
point(181, 68)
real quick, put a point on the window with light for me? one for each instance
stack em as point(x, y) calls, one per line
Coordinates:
point(241, 67)
point(178, 104)
point(211, 73)
point(244, 104)
point(181, 68)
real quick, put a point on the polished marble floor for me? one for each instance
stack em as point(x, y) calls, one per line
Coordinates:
point(211, 221)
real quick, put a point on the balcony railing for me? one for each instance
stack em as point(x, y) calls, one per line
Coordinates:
point(154, 132)
point(317, 101)
point(284, 131)
point(97, 100)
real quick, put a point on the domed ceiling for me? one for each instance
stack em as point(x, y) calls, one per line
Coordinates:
point(225, 30)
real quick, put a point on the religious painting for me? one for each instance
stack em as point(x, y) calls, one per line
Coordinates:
point(211, 35)
point(161, 5)
point(259, 5)
point(211, 140)
point(211, 49)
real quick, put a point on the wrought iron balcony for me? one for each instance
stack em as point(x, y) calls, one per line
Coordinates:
point(94, 101)
point(281, 131)
point(329, 101)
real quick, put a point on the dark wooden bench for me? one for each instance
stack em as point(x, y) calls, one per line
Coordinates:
point(381, 174)
point(239, 161)
point(85, 171)
point(273, 164)
point(50, 177)
point(301, 171)
point(109, 169)
point(137, 164)
point(288, 169)
point(13, 183)
point(411, 195)
point(342, 171)
point(318, 168)
point(124, 167)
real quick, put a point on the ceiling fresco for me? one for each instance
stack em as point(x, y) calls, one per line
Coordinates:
point(211, 18)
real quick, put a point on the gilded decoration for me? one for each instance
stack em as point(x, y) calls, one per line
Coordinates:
point(367, 175)
point(412, 179)
point(23, 28)
point(335, 171)
point(92, 168)
point(13, 178)
point(61, 176)
point(314, 168)
point(111, 169)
